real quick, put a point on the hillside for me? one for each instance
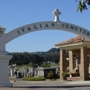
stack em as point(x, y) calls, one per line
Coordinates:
point(53, 50)
point(35, 57)
point(50, 51)
point(50, 55)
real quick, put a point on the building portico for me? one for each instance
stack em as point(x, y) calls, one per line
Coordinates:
point(78, 54)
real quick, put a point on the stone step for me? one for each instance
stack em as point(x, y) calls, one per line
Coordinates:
point(73, 78)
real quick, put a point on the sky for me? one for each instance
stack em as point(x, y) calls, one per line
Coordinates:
point(16, 13)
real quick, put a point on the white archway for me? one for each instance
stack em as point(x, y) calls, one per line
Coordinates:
point(46, 25)
point(7, 37)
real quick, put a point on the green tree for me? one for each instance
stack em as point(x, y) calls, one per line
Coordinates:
point(83, 5)
point(36, 60)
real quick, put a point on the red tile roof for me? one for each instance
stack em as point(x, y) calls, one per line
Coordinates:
point(73, 40)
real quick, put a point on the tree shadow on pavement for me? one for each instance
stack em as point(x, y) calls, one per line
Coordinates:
point(63, 86)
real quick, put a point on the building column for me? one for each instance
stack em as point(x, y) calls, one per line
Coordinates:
point(84, 64)
point(4, 70)
point(71, 61)
point(62, 62)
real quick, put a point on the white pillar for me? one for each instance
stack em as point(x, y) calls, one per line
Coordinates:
point(76, 63)
point(11, 72)
point(4, 70)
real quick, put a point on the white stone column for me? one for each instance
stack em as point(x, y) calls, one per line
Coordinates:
point(11, 72)
point(76, 64)
point(4, 60)
point(4, 70)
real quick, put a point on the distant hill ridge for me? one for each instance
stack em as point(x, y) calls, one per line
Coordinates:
point(50, 51)
point(54, 50)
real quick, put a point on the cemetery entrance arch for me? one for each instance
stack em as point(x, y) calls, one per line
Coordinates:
point(7, 37)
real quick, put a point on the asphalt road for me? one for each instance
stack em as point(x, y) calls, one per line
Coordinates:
point(48, 85)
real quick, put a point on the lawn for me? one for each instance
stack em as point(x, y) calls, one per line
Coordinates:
point(34, 79)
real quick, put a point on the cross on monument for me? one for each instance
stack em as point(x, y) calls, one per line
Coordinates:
point(56, 13)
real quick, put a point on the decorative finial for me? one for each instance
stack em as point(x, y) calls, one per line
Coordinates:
point(56, 13)
point(2, 29)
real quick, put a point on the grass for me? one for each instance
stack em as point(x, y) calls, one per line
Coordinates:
point(24, 66)
point(34, 79)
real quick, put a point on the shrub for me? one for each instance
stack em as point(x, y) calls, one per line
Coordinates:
point(33, 79)
point(65, 75)
point(50, 75)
